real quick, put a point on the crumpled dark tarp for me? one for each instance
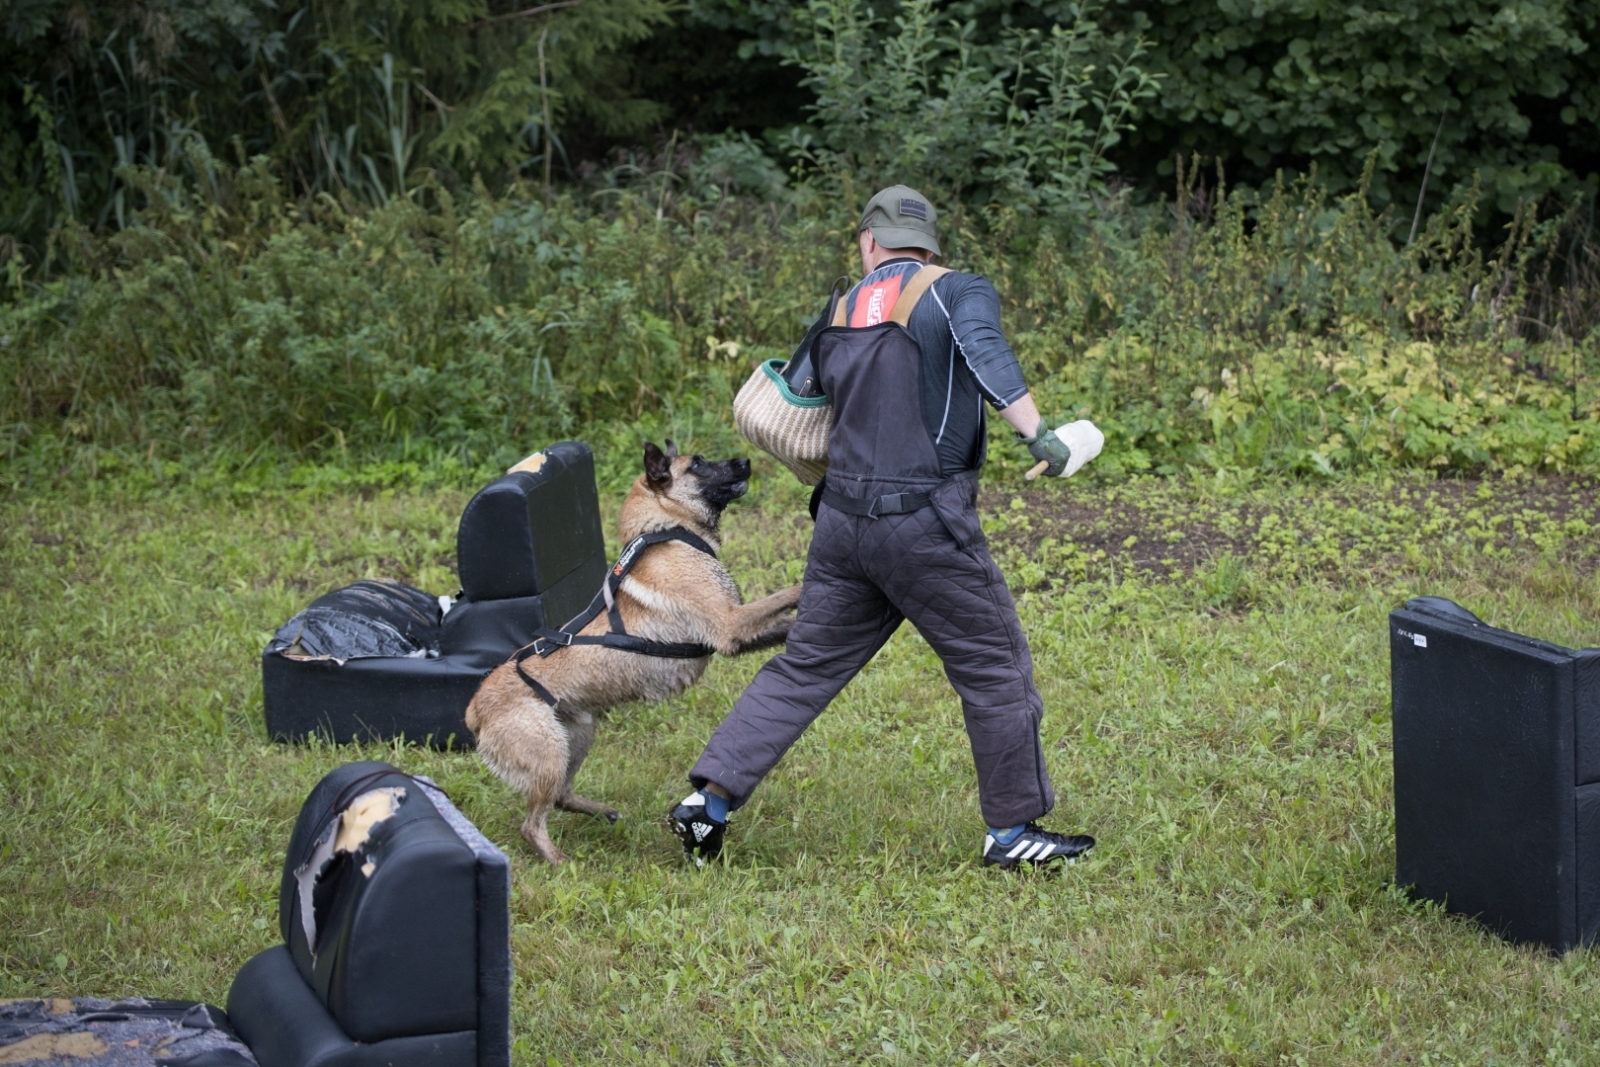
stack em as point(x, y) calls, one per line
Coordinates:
point(92, 1032)
point(367, 619)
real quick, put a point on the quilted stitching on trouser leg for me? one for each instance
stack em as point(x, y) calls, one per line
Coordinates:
point(862, 577)
point(842, 620)
point(959, 602)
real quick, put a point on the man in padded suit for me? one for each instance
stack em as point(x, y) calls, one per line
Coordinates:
point(897, 537)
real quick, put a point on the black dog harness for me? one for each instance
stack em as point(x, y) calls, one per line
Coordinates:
point(548, 641)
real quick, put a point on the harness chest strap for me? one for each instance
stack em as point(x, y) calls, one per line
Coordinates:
point(547, 641)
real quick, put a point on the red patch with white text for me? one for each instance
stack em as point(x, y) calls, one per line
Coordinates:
point(875, 302)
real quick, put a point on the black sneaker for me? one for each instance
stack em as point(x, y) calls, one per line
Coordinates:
point(700, 835)
point(1035, 845)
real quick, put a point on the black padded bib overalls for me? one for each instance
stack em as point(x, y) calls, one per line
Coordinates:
point(894, 540)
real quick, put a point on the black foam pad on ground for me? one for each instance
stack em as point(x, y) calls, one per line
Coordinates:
point(134, 1032)
point(1496, 744)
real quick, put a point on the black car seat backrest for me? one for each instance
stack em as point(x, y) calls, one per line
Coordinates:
point(527, 530)
point(389, 943)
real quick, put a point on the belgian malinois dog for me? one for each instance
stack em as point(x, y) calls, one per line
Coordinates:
point(675, 594)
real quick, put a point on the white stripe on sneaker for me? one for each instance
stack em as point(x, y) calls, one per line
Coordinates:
point(988, 843)
point(1014, 853)
point(1046, 853)
point(1034, 851)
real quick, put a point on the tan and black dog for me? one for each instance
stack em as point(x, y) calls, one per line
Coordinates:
point(675, 594)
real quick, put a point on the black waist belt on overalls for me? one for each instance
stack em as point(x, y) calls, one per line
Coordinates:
point(547, 641)
point(875, 506)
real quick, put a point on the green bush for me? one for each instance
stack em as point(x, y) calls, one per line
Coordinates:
point(1294, 336)
point(395, 330)
point(1027, 124)
point(344, 97)
point(1511, 92)
point(367, 99)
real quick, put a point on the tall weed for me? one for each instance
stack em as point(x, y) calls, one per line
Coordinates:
point(1026, 123)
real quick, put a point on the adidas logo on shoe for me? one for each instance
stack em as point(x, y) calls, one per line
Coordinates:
point(1035, 845)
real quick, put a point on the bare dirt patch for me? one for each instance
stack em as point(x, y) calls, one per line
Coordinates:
point(1170, 527)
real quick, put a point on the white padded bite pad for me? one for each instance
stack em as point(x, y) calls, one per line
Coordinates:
point(1085, 440)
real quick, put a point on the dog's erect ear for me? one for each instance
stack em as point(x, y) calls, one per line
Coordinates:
point(657, 465)
point(672, 449)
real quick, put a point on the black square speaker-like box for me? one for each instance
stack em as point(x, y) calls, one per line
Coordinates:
point(1496, 774)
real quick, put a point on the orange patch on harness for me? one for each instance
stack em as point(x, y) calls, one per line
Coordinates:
point(875, 303)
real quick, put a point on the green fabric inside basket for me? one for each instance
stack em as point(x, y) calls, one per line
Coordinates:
point(773, 367)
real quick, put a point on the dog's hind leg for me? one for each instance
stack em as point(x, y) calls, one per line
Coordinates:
point(580, 736)
point(536, 832)
point(527, 748)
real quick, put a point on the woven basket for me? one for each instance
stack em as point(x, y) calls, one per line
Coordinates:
point(792, 429)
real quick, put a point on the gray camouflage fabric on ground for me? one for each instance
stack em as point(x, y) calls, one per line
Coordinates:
point(93, 1032)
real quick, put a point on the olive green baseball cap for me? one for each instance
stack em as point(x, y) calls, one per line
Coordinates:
point(901, 217)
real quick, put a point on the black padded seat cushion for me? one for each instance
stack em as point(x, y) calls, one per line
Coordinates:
point(366, 619)
point(409, 941)
point(287, 1026)
point(376, 984)
point(526, 531)
point(378, 660)
point(1496, 761)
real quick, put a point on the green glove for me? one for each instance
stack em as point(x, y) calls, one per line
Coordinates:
point(1045, 445)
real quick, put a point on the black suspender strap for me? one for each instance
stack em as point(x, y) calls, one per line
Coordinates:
point(547, 641)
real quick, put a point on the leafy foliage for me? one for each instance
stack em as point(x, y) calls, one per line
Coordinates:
point(470, 332)
point(362, 99)
point(1295, 84)
point(1028, 122)
point(343, 96)
point(1290, 335)
point(1511, 91)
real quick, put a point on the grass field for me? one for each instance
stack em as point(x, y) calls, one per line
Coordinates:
point(1213, 656)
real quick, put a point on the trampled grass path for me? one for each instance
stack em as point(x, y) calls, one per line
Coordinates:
point(1220, 722)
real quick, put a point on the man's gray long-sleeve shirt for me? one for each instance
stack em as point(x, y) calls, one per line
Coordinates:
point(966, 359)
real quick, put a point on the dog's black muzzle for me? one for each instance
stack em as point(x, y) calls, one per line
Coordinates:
point(731, 482)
